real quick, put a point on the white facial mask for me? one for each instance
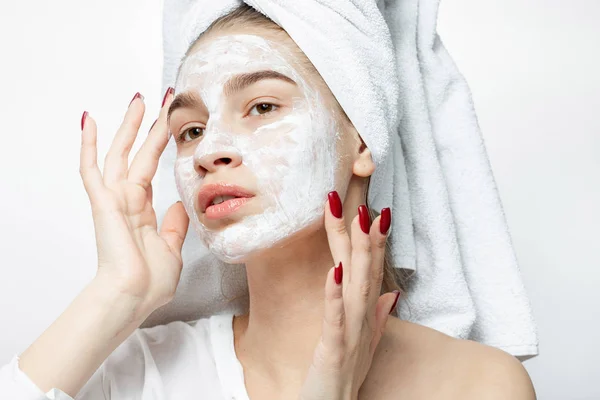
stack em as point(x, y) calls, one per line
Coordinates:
point(294, 158)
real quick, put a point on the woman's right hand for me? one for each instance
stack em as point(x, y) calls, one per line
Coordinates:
point(133, 257)
point(138, 266)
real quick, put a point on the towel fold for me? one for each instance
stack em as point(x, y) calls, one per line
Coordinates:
point(389, 70)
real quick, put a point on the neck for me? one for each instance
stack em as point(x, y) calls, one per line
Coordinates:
point(286, 288)
point(286, 283)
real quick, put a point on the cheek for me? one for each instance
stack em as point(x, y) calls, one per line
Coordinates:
point(270, 147)
point(277, 137)
point(184, 169)
point(304, 143)
point(186, 181)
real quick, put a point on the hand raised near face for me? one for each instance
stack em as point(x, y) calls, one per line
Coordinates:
point(133, 256)
point(355, 313)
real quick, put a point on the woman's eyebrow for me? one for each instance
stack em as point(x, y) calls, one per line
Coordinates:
point(184, 100)
point(239, 82)
point(235, 84)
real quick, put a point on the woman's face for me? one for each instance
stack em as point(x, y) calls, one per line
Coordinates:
point(255, 129)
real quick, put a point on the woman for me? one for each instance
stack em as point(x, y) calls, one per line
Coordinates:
point(262, 147)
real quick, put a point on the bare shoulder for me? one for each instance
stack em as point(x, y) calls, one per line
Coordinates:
point(420, 362)
point(493, 373)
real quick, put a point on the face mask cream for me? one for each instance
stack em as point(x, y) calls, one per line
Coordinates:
point(292, 158)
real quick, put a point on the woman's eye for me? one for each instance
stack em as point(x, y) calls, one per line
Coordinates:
point(263, 108)
point(194, 133)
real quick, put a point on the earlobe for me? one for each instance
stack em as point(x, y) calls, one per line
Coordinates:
point(363, 165)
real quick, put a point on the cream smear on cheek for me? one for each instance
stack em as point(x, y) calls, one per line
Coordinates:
point(293, 159)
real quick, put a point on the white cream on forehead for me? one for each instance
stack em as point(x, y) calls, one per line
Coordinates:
point(293, 159)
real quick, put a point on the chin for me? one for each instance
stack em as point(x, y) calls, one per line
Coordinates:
point(243, 254)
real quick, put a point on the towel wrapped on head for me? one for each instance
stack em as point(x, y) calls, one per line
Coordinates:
point(388, 69)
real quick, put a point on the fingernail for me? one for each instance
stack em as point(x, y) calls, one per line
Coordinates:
point(154, 123)
point(364, 219)
point(338, 273)
point(137, 95)
point(385, 220)
point(395, 301)
point(83, 118)
point(335, 204)
point(169, 91)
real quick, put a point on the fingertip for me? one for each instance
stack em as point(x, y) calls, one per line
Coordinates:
point(364, 218)
point(335, 204)
point(166, 104)
point(333, 289)
point(168, 95)
point(386, 220)
point(88, 129)
point(338, 273)
point(133, 115)
point(334, 217)
point(83, 118)
point(137, 95)
point(334, 310)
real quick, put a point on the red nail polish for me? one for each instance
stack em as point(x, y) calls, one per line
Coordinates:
point(364, 219)
point(338, 273)
point(395, 301)
point(385, 220)
point(83, 118)
point(169, 91)
point(335, 204)
point(137, 96)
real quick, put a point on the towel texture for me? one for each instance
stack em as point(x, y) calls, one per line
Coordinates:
point(386, 65)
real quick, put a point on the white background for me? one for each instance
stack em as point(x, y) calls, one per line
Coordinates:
point(533, 67)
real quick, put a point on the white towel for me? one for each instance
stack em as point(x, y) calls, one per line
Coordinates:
point(413, 109)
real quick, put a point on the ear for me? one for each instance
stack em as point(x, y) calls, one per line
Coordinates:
point(363, 164)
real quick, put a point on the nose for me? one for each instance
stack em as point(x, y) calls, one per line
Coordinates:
point(220, 159)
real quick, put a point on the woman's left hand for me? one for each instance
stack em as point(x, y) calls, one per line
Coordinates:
point(355, 313)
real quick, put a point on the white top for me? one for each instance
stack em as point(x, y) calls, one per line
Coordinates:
point(179, 360)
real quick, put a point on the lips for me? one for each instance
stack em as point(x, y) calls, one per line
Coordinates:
point(209, 192)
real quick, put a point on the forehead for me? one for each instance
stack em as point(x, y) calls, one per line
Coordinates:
point(235, 53)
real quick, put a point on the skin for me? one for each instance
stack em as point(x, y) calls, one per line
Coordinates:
point(139, 267)
point(286, 156)
point(308, 253)
point(276, 340)
point(338, 334)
